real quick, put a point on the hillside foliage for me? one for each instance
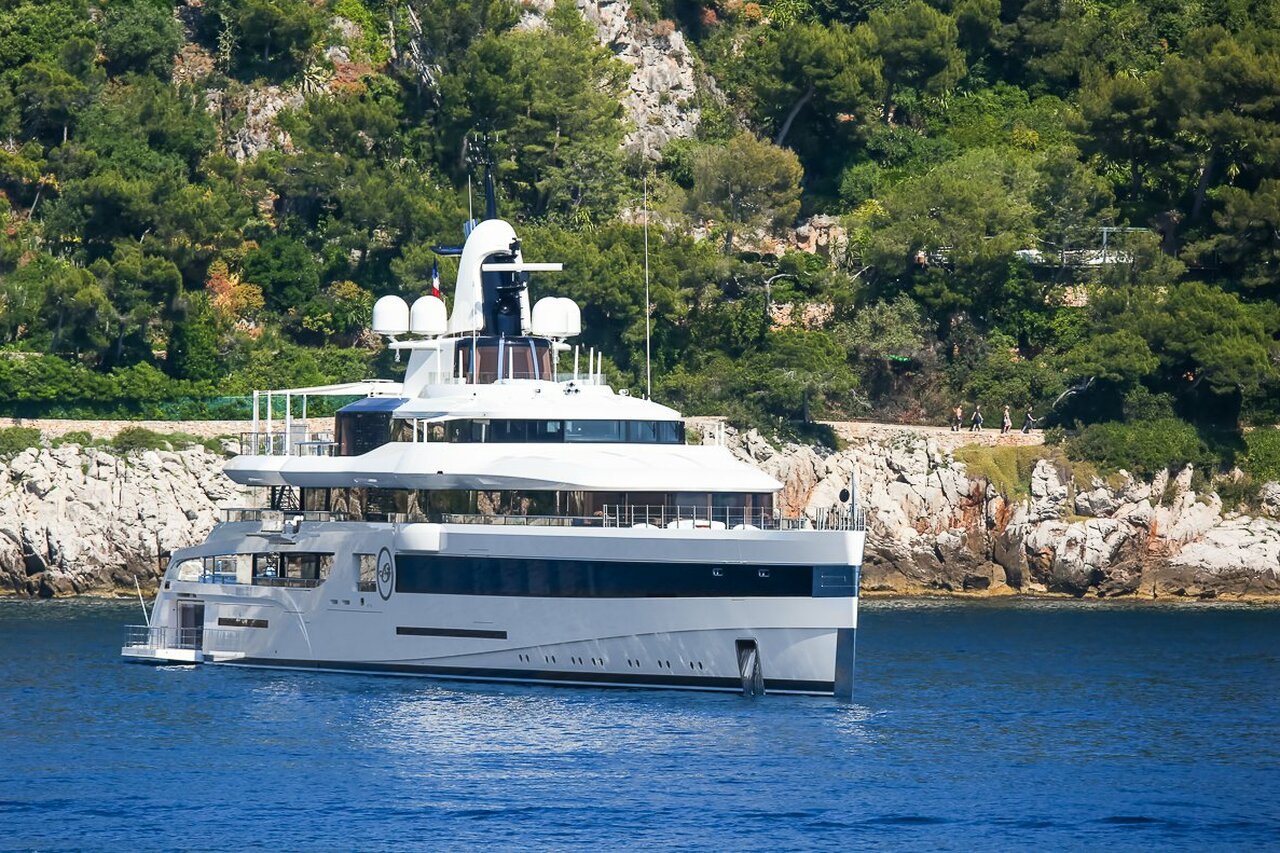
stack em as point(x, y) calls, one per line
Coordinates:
point(1072, 207)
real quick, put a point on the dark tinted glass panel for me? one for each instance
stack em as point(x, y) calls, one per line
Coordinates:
point(546, 431)
point(642, 432)
point(597, 578)
point(671, 432)
point(360, 432)
point(594, 431)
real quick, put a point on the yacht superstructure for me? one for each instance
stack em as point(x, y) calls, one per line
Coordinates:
point(502, 514)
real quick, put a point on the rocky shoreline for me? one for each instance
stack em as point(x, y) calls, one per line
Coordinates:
point(83, 521)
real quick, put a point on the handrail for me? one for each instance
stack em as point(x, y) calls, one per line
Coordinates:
point(234, 514)
point(611, 515)
point(277, 443)
point(192, 639)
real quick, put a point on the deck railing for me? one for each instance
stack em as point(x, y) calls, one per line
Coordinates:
point(612, 515)
point(287, 444)
point(193, 639)
point(258, 514)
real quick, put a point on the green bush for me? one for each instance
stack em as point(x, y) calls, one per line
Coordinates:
point(1141, 447)
point(136, 439)
point(1262, 454)
point(78, 437)
point(1007, 469)
point(14, 440)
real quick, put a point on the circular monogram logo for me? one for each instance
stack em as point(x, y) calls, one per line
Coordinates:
point(386, 574)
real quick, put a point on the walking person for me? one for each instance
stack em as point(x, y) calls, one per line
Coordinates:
point(1029, 422)
point(1006, 422)
point(975, 424)
point(957, 418)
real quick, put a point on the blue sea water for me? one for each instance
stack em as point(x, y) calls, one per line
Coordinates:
point(975, 726)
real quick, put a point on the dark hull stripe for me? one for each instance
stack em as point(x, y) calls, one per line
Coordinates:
point(406, 631)
point(517, 676)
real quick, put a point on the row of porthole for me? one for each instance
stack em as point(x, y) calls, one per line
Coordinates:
point(601, 662)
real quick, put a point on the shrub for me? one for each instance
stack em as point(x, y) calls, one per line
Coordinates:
point(14, 440)
point(78, 437)
point(1007, 469)
point(1142, 447)
point(1262, 454)
point(133, 439)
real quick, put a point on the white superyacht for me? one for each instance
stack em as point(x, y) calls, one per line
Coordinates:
point(502, 514)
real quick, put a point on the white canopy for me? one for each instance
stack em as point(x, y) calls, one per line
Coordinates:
point(534, 467)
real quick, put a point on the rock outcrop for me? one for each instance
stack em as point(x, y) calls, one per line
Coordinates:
point(933, 528)
point(661, 99)
point(76, 520)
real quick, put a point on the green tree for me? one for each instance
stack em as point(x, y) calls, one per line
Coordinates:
point(272, 36)
point(285, 270)
point(1248, 240)
point(949, 236)
point(746, 184)
point(140, 35)
point(554, 98)
point(1119, 117)
point(918, 48)
point(195, 343)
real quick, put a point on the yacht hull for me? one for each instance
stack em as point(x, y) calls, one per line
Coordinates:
point(695, 609)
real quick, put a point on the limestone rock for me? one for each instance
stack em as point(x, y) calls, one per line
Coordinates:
point(78, 520)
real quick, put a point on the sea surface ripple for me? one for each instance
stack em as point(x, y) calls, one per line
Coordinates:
point(975, 725)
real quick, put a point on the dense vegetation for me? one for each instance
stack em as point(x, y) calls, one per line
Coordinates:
point(980, 153)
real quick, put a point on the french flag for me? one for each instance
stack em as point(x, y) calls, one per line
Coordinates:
point(435, 279)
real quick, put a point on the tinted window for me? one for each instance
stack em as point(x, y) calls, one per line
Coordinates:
point(594, 431)
point(642, 432)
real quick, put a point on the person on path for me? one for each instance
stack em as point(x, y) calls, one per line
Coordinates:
point(1029, 422)
point(957, 418)
point(975, 425)
point(1006, 422)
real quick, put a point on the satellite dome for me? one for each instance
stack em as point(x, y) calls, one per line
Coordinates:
point(428, 316)
point(390, 316)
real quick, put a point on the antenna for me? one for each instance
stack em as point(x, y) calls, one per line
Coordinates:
point(470, 212)
point(480, 153)
point(648, 358)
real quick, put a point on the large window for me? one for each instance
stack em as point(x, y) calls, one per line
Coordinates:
point(583, 431)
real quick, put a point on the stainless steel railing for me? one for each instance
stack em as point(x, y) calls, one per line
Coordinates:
point(612, 515)
point(281, 443)
point(191, 639)
point(233, 514)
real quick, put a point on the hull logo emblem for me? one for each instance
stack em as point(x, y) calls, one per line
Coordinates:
point(386, 574)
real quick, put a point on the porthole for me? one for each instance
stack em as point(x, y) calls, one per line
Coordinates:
point(764, 573)
point(717, 572)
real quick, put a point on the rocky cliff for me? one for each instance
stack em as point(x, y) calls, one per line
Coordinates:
point(81, 520)
point(76, 520)
point(932, 527)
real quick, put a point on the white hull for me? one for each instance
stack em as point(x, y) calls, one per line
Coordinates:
point(568, 626)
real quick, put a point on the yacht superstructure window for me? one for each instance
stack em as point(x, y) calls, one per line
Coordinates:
point(368, 572)
point(504, 431)
point(609, 431)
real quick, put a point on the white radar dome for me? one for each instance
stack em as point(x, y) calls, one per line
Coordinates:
point(556, 317)
point(390, 316)
point(428, 316)
point(572, 317)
